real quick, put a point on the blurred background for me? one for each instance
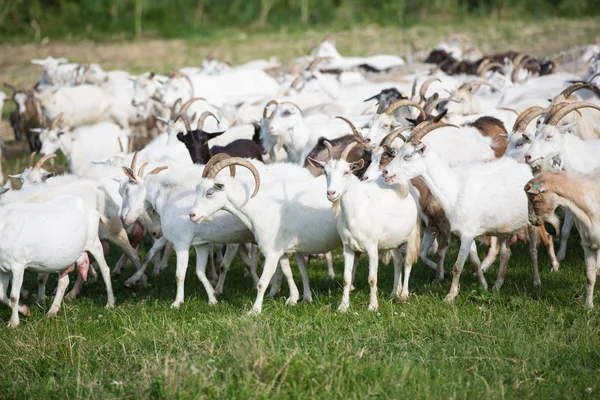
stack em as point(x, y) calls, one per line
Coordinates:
point(28, 20)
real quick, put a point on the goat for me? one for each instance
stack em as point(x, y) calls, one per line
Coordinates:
point(363, 231)
point(36, 245)
point(578, 195)
point(478, 199)
point(196, 142)
point(300, 218)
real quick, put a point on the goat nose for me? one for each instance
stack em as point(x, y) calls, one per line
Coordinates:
point(192, 215)
point(385, 172)
point(367, 140)
point(331, 193)
point(527, 157)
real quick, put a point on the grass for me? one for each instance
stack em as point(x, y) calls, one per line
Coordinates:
point(517, 343)
point(520, 342)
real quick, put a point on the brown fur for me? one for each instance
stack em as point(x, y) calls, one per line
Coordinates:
point(31, 119)
point(493, 128)
point(573, 187)
point(319, 152)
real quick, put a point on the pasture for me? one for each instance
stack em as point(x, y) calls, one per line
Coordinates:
point(517, 342)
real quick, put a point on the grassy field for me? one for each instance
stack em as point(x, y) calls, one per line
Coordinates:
point(518, 343)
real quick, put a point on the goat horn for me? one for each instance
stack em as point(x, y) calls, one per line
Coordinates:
point(413, 90)
point(55, 121)
point(11, 87)
point(180, 74)
point(405, 103)
point(514, 77)
point(432, 104)
point(130, 144)
point(425, 86)
point(296, 81)
point(313, 64)
point(157, 170)
point(31, 157)
point(174, 107)
point(266, 109)
point(236, 161)
point(185, 122)
point(570, 90)
point(482, 65)
point(526, 117)
point(42, 160)
point(142, 168)
point(389, 139)
point(120, 145)
point(213, 160)
point(329, 149)
point(554, 116)
point(519, 59)
point(188, 103)
point(347, 151)
point(86, 72)
point(419, 133)
point(134, 161)
point(490, 66)
point(594, 77)
point(354, 131)
point(478, 82)
point(203, 117)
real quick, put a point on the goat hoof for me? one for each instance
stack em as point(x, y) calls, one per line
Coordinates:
point(176, 304)
point(307, 299)
point(555, 267)
point(372, 307)
point(13, 324)
point(449, 299)
point(331, 277)
point(292, 301)
point(51, 314)
point(404, 298)
point(212, 302)
point(129, 283)
point(537, 284)
point(254, 312)
point(343, 307)
point(70, 296)
point(115, 273)
point(497, 285)
point(24, 310)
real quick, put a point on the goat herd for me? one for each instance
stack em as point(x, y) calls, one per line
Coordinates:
point(287, 159)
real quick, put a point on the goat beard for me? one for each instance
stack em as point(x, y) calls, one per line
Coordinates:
point(336, 208)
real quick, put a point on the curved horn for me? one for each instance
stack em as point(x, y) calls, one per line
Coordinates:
point(389, 139)
point(157, 170)
point(554, 116)
point(490, 66)
point(405, 103)
point(203, 117)
point(313, 64)
point(296, 81)
point(524, 114)
point(14, 90)
point(266, 109)
point(187, 78)
point(86, 71)
point(419, 134)
point(188, 103)
point(329, 149)
point(134, 161)
point(425, 86)
point(347, 151)
point(413, 90)
point(174, 107)
point(574, 88)
point(594, 77)
point(514, 77)
point(31, 157)
point(55, 121)
point(522, 121)
point(432, 104)
point(519, 59)
point(142, 168)
point(354, 131)
point(236, 161)
point(478, 82)
point(213, 160)
point(188, 127)
point(42, 160)
point(481, 66)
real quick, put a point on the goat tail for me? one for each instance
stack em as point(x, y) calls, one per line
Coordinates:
point(413, 246)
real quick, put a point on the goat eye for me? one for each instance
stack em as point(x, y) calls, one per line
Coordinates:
point(519, 144)
point(209, 192)
point(346, 173)
point(408, 157)
point(548, 138)
point(286, 113)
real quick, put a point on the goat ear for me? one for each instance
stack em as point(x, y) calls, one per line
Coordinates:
point(3, 190)
point(439, 117)
point(412, 121)
point(536, 188)
point(47, 176)
point(214, 134)
point(316, 163)
point(567, 128)
point(357, 165)
point(422, 148)
point(180, 136)
point(130, 174)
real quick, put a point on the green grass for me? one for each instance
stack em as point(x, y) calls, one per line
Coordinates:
point(517, 343)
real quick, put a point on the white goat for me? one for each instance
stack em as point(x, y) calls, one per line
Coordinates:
point(30, 240)
point(396, 222)
point(478, 199)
